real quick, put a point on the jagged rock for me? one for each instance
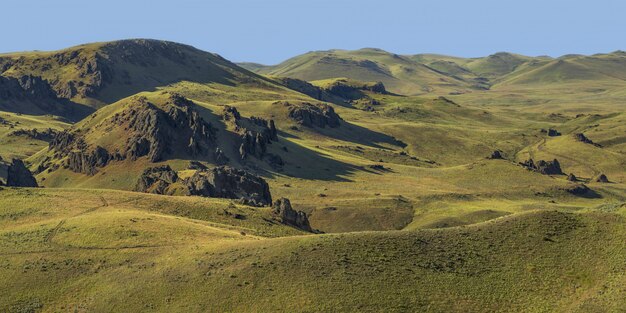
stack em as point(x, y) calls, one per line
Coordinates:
point(572, 177)
point(153, 132)
point(16, 174)
point(88, 162)
point(582, 138)
point(496, 155)
point(544, 167)
point(45, 135)
point(314, 115)
point(156, 180)
point(283, 211)
point(230, 113)
point(231, 183)
point(601, 179)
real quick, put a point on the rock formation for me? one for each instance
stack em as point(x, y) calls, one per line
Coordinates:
point(231, 183)
point(219, 182)
point(544, 167)
point(283, 212)
point(572, 177)
point(313, 115)
point(153, 131)
point(16, 174)
point(495, 155)
point(601, 179)
point(156, 180)
point(582, 138)
point(43, 135)
point(256, 133)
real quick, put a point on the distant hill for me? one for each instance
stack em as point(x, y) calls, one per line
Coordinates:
point(101, 73)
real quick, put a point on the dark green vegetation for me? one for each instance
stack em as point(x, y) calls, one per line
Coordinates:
point(418, 212)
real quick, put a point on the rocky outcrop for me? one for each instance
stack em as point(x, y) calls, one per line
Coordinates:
point(544, 167)
point(156, 180)
point(256, 133)
point(218, 182)
point(16, 174)
point(283, 212)
point(153, 131)
point(87, 162)
point(551, 132)
point(581, 190)
point(313, 115)
point(601, 179)
point(496, 155)
point(230, 183)
point(43, 135)
point(582, 138)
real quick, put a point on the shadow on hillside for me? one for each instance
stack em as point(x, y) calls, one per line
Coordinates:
point(300, 162)
point(360, 135)
point(69, 110)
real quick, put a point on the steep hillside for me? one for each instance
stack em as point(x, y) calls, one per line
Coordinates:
point(101, 73)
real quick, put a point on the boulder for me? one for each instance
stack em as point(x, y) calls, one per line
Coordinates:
point(601, 179)
point(572, 177)
point(581, 190)
point(553, 132)
point(496, 155)
point(16, 174)
point(283, 212)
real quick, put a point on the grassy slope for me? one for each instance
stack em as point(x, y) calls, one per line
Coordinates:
point(148, 256)
point(22, 146)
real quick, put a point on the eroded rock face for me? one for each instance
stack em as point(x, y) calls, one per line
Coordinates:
point(156, 180)
point(314, 115)
point(44, 135)
point(231, 183)
point(256, 133)
point(154, 129)
point(544, 167)
point(283, 211)
point(155, 132)
point(219, 182)
point(16, 174)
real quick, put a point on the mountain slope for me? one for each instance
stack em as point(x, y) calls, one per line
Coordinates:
point(400, 74)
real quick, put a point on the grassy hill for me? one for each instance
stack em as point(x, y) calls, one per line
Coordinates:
point(387, 155)
point(117, 251)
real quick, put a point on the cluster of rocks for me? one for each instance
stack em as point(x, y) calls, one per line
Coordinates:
point(544, 167)
point(154, 132)
point(285, 214)
point(15, 173)
point(304, 87)
point(582, 138)
point(44, 135)
point(551, 132)
point(256, 134)
point(219, 182)
point(313, 115)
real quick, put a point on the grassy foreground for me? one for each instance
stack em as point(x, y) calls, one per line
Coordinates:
point(86, 250)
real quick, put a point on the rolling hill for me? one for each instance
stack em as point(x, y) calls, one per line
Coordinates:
point(365, 181)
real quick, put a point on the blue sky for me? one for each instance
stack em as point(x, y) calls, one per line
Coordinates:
point(270, 31)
